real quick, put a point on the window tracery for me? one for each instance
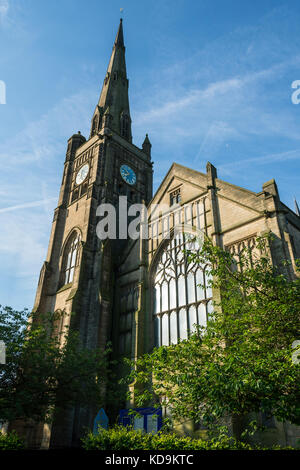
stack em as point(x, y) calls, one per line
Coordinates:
point(70, 259)
point(179, 301)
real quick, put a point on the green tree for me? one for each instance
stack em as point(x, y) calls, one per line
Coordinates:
point(242, 361)
point(45, 368)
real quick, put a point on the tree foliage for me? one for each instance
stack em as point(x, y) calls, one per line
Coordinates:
point(242, 361)
point(46, 367)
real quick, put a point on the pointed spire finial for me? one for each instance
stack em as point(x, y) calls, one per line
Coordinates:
point(113, 110)
point(147, 145)
point(120, 37)
point(297, 210)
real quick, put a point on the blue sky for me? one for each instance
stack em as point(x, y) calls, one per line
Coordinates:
point(210, 80)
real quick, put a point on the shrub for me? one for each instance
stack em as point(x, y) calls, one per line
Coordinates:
point(11, 441)
point(122, 438)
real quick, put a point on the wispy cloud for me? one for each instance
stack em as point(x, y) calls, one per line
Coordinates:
point(23, 243)
point(46, 137)
point(212, 94)
point(228, 102)
point(217, 133)
point(27, 205)
point(4, 7)
point(31, 165)
point(261, 160)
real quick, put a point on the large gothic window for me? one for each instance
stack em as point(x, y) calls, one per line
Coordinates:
point(179, 301)
point(70, 259)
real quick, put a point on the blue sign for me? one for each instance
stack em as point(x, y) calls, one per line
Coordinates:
point(100, 420)
point(147, 419)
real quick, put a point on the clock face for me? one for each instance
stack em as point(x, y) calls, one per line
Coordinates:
point(128, 174)
point(82, 174)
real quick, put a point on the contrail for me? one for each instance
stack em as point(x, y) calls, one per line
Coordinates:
point(27, 204)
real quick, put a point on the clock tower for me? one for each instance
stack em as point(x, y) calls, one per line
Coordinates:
point(80, 274)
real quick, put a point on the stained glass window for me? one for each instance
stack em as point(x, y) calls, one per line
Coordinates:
point(179, 302)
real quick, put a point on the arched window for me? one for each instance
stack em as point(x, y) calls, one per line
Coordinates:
point(70, 259)
point(179, 301)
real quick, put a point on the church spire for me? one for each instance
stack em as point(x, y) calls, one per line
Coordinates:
point(120, 37)
point(114, 99)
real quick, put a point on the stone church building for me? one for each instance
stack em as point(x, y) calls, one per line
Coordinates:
point(141, 292)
